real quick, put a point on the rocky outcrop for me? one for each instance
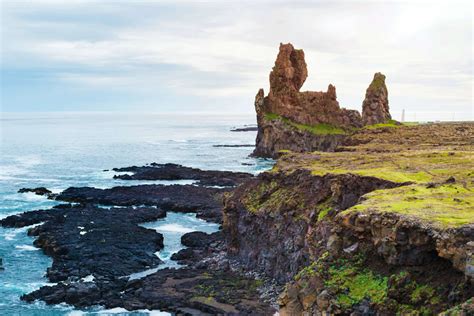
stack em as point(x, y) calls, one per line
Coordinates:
point(309, 117)
point(309, 107)
point(295, 227)
point(87, 240)
point(375, 106)
point(268, 222)
point(275, 136)
point(171, 171)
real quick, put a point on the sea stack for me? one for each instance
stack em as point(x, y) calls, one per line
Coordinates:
point(300, 121)
point(289, 119)
point(375, 108)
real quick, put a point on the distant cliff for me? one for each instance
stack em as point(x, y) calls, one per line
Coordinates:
point(289, 119)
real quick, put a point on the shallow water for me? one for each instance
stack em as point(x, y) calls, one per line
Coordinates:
point(58, 150)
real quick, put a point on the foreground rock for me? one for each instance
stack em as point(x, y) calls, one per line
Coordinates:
point(307, 121)
point(171, 171)
point(89, 241)
point(187, 291)
point(204, 201)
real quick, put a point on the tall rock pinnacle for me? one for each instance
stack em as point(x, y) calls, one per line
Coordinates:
point(375, 106)
point(289, 72)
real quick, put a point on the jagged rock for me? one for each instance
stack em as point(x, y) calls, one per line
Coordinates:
point(286, 116)
point(375, 106)
point(308, 108)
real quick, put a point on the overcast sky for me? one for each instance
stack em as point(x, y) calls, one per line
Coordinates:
point(212, 56)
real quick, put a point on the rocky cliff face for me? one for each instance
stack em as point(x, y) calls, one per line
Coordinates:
point(368, 231)
point(375, 106)
point(310, 113)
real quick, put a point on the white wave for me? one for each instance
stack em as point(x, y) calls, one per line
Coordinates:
point(11, 233)
point(89, 278)
point(175, 228)
point(32, 197)
point(26, 247)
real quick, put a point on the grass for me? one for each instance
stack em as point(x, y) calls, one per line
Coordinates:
point(318, 129)
point(389, 124)
point(444, 205)
point(410, 166)
point(448, 205)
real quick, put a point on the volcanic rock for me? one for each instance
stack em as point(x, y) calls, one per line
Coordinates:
point(375, 106)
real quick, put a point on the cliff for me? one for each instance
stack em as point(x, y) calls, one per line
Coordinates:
point(289, 119)
point(384, 226)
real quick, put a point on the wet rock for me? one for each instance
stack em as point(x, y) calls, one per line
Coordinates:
point(171, 171)
point(245, 129)
point(87, 240)
point(203, 201)
point(199, 239)
point(37, 191)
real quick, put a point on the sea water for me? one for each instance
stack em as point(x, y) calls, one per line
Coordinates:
point(59, 150)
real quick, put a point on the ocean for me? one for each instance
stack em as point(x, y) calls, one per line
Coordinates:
point(59, 150)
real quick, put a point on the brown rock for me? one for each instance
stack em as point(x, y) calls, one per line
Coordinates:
point(375, 108)
point(309, 107)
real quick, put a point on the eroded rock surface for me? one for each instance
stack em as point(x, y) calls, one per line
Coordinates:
point(375, 108)
point(289, 119)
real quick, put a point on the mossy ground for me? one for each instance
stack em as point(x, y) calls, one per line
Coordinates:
point(318, 129)
point(389, 124)
point(444, 204)
point(447, 205)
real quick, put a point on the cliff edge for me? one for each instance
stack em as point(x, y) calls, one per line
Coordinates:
point(383, 226)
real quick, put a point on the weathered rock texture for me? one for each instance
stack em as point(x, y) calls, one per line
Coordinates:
point(375, 106)
point(309, 107)
point(311, 224)
point(273, 234)
point(291, 228)
point(285, 101)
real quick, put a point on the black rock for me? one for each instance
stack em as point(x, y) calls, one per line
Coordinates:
point(171, 171)
point(199, 239)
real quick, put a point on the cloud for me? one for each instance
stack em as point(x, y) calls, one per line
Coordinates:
point(223, 51)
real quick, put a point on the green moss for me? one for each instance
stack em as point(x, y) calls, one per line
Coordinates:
point(389, 124)
point(377, 83)
point(422, 293)
point(270, 197)
point(353, 285)
point(318, 129)
point(448, 205)
point(313, 269)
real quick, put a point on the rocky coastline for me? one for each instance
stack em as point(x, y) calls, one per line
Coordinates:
point(360, 215)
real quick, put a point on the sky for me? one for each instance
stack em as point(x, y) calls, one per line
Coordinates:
point(213, 56)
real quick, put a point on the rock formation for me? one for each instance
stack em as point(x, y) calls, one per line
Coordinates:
point(309, 107)
point(289, 119)
point(375, 107)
